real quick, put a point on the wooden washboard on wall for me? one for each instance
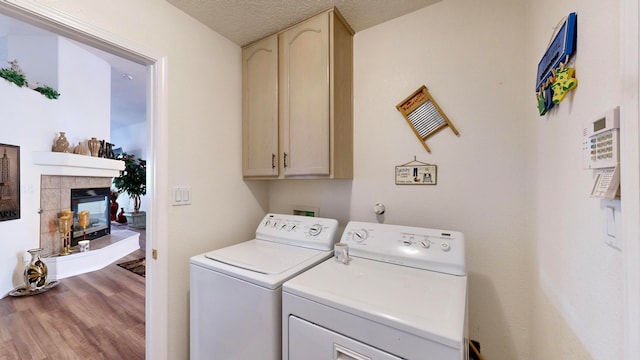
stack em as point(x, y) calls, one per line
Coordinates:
point(424, 116)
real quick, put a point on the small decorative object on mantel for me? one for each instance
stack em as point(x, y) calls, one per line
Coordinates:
point(9, 182)
point(81, 149)
point(61, 144)
point(94, 146)
point(108, 153)
point(106, 150)
point(555, 79)
point(424, 116)
point(416, 173)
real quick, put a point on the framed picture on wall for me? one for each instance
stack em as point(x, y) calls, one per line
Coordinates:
point(416, 173)
point(9, 182)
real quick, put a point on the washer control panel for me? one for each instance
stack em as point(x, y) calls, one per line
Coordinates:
point(423, 248)
point(304, 231)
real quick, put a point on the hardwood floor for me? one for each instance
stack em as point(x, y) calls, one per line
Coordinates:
point(97, 315)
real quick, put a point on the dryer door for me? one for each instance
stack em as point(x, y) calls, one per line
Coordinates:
point(309, 341)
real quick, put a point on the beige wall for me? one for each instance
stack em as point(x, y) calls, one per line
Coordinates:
point(204, 146)
point(578, 290)
point(542, 282)
point(457, 49)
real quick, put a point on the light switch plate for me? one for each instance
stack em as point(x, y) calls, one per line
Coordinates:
point(612, 236)
point(181, 195)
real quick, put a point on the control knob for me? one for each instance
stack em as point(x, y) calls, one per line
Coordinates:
point(360, 235)
point(315, 229)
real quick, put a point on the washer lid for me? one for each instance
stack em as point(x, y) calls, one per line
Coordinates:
point(264, 257)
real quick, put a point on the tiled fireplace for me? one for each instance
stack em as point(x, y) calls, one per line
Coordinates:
point(55, 196)
point(61, 172)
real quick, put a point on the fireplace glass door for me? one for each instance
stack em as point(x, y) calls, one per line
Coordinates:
point(96, 202)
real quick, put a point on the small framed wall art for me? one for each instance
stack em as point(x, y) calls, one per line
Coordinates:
point(9, 182)
point(416, 173)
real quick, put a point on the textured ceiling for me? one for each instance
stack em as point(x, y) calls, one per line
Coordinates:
point(244, 21)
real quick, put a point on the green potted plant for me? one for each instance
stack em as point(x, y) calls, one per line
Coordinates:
point(133, 181)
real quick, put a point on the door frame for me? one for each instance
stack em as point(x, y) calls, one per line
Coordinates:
point(630, 170)
point(156, 290)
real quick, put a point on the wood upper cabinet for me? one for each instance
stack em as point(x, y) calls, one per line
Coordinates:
point(260, 114)
point(314, 92)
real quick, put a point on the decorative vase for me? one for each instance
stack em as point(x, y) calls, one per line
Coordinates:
point(121, 218)
point(114, 208)
point(94, 146)
point(35, 273)
point(80, 149)
point(61, 144)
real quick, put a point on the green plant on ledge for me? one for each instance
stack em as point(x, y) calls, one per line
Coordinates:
point(133, 179)
point(47, 91)
point(13, 76)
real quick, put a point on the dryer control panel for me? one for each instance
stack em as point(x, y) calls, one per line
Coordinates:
point(304, 231)
point(423, 248)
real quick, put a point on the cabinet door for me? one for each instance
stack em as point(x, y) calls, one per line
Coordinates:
point(304, 107)
point(260, 108)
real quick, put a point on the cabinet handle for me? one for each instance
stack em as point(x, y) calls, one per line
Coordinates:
point(342, 353)
point(285, 160)
point(273, 161)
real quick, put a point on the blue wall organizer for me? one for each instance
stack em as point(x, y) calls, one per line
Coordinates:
point(554, 80)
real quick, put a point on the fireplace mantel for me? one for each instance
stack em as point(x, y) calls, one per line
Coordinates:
point(66, 164)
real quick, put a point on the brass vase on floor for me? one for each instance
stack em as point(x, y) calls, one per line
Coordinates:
point(35, 273)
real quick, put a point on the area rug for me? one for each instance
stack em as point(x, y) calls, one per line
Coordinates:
point(135, 266)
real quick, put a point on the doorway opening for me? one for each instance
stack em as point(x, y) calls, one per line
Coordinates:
point(154, 65)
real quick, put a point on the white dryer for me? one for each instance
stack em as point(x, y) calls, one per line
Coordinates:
point(236, 291)
point(402, 295)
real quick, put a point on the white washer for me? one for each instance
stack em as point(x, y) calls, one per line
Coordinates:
point(403, 295)
point(236, 291)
